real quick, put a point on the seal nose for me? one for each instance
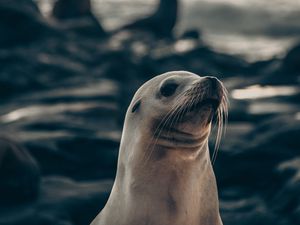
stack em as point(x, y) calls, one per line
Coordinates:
point(213, 81)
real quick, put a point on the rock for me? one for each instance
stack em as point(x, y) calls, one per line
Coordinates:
point(291, 60)
point(32, 71)
point(247, 210)
point(203, 60)
point(265, 158)
point(287, 195)
point(78, 201)
point(78, 18)
point(86, 26)
point(161, 23)
point(71, 9)
point(82, 158)
point(19, 174)
point(285, 71)
point(25, 15)
point(55, 100)
point(191, 34)
point(62, 201)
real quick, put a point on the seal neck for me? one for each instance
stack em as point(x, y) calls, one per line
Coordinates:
point(169, 190)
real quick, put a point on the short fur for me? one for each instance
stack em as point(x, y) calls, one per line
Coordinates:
point(165, 174)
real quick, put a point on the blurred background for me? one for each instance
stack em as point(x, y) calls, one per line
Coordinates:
point(69, 68)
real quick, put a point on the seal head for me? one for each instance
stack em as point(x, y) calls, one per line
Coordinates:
point(164, 173)
point(175, 111)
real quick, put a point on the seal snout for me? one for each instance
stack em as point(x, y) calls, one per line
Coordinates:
point(214, 90)
point(213, 80)
point(208, 91)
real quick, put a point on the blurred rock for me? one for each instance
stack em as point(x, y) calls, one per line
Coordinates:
point(257, 156)
point(77, 201)
point(77, 17)
point(288, 196)
point(291, 60)
point(285, 71)
point(71, 131)
point(25, 15)
point(81, 158)
point(161, 23)
point(19, 174)
point(191, 34)
point(64, 91)
point(247, 210)
point(71, 9)
point(62, 201)
point(203, 60)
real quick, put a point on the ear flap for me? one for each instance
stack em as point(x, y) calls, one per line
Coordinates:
point(136, 106)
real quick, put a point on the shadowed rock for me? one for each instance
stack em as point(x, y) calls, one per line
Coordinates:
point(161, 23)
point(54, 98)
point(267, 167)
point(71, 9)
point(62, 201)
point(19, 174)
point(192, 34)
point(79, 18)
point(285, 71)
point(291, 61)
point(24, 15)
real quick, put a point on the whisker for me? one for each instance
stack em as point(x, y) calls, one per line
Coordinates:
point(222, 117)
point(163, 123)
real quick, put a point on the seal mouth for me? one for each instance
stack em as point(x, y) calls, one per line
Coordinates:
point(214, 103)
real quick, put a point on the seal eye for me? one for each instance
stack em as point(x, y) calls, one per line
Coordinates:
point(136, 106)
point(168, 89)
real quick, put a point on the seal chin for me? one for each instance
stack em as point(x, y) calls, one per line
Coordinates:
point(178, 138)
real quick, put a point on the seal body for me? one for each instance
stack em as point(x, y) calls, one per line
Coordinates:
point(164, 174)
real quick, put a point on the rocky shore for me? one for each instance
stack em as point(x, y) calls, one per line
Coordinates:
point(64, 89)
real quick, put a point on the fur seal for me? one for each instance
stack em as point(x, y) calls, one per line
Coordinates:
point(164, 174)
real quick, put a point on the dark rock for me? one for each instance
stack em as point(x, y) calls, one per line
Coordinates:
point(85, 26)
point(291, 60)
point(71, 9)
point(62, 201)
point(288, 195)
point(191, 34)
point(19, 174)
point(77, 17)
point(203, 60)
point(247, 210)
point(161, 23)
point(264, 151)
point(32, 71)
point(24, 15)
point(285, 71)
point(62, 110)
point(80, 158)
point(78, 201)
